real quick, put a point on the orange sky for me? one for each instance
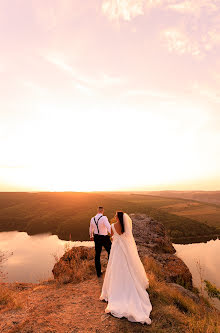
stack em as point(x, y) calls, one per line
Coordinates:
point(107, 95)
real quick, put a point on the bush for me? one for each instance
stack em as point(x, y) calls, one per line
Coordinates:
point(212, 290)
point(7, 299)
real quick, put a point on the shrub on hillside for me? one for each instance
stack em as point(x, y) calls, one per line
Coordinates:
point(212, 290)
point(75, 265)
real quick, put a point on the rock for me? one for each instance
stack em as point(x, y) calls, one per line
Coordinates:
point(175, 269)
point(185, 292)
point(152, 241)
point(104, 317)
point(75, 265)
point(151, 234)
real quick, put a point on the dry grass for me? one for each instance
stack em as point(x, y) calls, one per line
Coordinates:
point(162, 293)
point(76, 265)
point(152, 268)
point(204, 323)
point(173, 312)
point(8, 300)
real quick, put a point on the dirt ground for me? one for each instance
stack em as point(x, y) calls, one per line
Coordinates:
point(65, 308)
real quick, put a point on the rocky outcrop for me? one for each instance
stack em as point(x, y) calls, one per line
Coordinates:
point(76, 265)
point(152, 242)
point(150, 235)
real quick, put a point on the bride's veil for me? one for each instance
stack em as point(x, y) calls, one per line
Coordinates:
point(130, 249)
point(127, 225)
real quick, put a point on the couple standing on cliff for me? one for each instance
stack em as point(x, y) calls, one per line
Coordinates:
point(125, 282)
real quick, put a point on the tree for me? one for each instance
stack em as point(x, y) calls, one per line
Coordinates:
point(3, 258)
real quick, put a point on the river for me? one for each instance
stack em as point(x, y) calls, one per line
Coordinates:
point(203, 260)
point(33, 257)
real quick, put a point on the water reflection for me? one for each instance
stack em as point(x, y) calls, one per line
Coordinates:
point(33, 256)
point(203, 255)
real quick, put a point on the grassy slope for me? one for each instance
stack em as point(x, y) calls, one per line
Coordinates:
point(68, 212)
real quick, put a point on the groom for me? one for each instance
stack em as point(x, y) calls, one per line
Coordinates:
point(99, 228)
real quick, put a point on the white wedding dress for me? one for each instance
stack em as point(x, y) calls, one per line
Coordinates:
point(125, 281)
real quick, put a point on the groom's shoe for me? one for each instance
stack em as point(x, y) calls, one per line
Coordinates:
point(99, 275)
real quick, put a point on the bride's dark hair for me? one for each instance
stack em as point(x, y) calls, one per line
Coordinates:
point(121, 220)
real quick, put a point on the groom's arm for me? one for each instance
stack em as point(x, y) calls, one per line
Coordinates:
point(107, 224)
point(91, 229)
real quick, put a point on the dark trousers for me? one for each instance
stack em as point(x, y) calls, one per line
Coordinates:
point(101, 241)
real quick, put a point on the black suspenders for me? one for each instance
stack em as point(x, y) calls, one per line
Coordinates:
point(96, 223)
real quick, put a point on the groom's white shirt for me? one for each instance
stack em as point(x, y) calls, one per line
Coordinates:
point(103, 224)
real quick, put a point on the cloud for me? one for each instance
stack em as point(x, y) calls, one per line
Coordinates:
point(204, 91)
point(84, 83)
point(193, 6)
point(83, 89)
point(49, 14)
point(59, 62)
point(212, 38)
point(123, 9)
point(81, 83)
point(182, 41)
point(128, 9)
point(150, 93)
point(201, 26)
point(35, 87)
point(199, 21)
point(4, 166)
point(111, 80)
point(178, 41)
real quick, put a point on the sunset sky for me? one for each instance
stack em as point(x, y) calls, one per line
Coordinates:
point(109, 95)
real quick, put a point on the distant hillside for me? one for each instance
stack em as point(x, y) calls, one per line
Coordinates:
point(65, 213)
point(212, 197)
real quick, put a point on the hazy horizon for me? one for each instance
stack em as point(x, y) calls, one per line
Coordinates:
point(111, 191)
point(110, 95)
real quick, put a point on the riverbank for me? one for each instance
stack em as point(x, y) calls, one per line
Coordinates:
point(194, 240)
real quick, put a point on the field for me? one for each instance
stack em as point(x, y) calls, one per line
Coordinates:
point(212, 197)
point(65, 213)
point(208, 214)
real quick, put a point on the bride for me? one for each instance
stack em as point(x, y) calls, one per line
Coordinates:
point(125, 282)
